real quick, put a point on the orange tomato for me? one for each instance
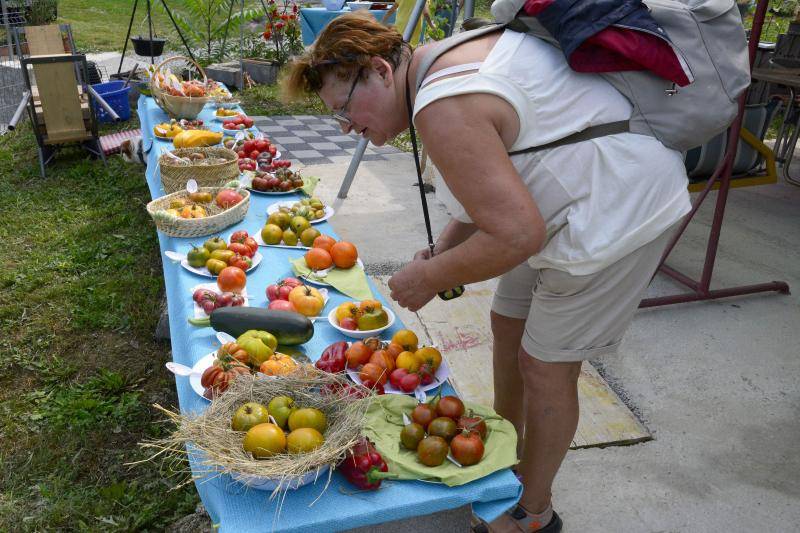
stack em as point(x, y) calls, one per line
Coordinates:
point(325, 242)
point(318, 259)
point(231, 279)
point(374, 373)
point(344, 254)
point(358, 354)
point(394, 349)
point(383, 359)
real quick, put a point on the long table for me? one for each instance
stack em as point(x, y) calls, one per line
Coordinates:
point(231, 505)
point(314, 19)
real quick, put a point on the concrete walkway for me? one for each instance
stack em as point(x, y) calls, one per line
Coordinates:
point(716, 382)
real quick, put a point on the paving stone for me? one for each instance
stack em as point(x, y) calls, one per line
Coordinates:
point(289, 140)
point(324, 146)
point(317, 161)
point(305, 154)
point(339, 138)
point(306, 133)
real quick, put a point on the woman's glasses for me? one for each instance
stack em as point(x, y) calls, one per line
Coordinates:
point(340, 115)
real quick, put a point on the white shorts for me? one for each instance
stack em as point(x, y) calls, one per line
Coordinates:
point(572, 318)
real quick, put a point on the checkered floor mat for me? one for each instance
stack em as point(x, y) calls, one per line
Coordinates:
point(316, 140)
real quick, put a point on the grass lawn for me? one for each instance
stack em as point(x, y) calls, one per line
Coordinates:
point(81, 291)
point(80, 295)
point(100, 25)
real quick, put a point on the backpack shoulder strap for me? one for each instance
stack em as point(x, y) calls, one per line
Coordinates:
point(522, 25)
point(448, 44)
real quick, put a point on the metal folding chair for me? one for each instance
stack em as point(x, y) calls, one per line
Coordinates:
point(58, 95)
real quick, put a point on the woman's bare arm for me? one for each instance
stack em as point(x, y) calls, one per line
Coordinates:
point(463, 138)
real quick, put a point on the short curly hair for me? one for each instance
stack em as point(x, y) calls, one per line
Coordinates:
point(346, 45)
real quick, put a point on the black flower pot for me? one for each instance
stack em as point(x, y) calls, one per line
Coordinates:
point(146, 47)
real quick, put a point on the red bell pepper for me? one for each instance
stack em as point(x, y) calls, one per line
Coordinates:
point(364, 467)
point(333, 359)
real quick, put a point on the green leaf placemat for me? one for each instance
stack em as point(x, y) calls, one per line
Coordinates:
point(385, 421)
point(309, 185)
point(351, 281)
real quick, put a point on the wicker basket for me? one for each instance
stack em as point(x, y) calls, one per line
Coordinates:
point(174, 177)
point(178, 106)
point(217, 219)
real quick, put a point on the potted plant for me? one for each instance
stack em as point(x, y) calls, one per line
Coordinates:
point(272, 48)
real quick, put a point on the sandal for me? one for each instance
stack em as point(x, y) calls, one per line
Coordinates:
point(521, 516)
point(525, 523)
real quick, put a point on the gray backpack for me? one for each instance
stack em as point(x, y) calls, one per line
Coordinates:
point(710, 39)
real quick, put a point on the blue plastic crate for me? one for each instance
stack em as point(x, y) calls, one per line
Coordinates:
point(116, 96)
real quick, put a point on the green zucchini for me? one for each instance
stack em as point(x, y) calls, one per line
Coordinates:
point(289, 328)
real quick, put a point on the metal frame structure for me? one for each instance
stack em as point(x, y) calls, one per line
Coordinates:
point(700, 290)
point(12, 86)
point(358, 155)
point(150, 30)
point(720, 180)
point(46, 150)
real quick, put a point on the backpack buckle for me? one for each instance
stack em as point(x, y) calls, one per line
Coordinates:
point(672, 90)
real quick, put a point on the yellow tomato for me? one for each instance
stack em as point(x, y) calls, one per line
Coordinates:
point(409, 361)
point(430, 355)
point(304, 440)
point(264, 440)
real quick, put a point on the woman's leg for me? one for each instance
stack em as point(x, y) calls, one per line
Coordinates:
point(508, 387)
point(551, 417)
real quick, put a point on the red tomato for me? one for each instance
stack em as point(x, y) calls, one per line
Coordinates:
point(239, 248)
point(252, 244)
point(228, 198)
point(262, 145)
point(239, 236)
point(241, 154)
point(232, 279)
point(467, 448)
point(248, 146)
point(254, 154)
point(240, 261)
point(451, 407)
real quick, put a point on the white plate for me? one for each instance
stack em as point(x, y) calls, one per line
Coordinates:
point(204, 271)
point(277, 205)
point(260, 241)
point(229, 117)
point(322, 273)
point(273, 193)
point(252, 129)
point(197, 373)
point(361, 334)
point(198, 311)
point(441, 375)
point(267, 483)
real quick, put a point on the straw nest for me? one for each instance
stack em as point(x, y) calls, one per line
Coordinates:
point(219, 448)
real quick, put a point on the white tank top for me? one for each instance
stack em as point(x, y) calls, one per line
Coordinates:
point(601, 199)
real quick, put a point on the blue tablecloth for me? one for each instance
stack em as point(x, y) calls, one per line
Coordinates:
point(313, 19)
point(231, 505)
